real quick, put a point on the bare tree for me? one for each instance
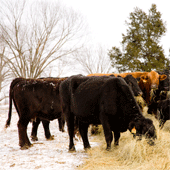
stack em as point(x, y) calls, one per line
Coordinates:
point(58, 69)
point(93, 60)
point(37, 34)
point(4, 72)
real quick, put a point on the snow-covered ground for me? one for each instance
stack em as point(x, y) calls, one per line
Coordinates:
point(44, 154)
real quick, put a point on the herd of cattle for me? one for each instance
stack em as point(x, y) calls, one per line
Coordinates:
point(106, 99)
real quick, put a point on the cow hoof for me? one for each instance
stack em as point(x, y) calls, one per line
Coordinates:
point(26, 147)
point(73, 149)
point(87, 149)
point(108, 148)
point(61, 130)
point(34, 138)
point(51, 137)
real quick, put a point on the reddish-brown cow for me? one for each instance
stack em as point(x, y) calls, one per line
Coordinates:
point(150, 81)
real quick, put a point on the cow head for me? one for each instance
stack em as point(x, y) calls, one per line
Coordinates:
point(133, 84)
point(143, 127)
point(165, 84)
point(152, 79)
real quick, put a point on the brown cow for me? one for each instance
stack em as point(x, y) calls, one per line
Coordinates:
point(148, 80)
point(34, 98)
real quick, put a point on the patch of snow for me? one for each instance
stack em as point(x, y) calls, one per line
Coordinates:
point(44, 154)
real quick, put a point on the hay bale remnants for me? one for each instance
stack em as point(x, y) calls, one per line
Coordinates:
point(131, 154)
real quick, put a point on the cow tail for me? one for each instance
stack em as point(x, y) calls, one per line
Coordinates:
point(14, 82)
point(10, 109)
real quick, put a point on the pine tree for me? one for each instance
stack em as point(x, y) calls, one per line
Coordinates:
point(140, 46)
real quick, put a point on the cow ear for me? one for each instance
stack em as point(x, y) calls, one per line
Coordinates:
point(162, 77)
point(131, 125)
point(138, 79)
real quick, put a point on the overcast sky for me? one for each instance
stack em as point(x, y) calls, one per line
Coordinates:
point(106, 18)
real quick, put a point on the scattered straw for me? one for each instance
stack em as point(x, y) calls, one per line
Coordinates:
point(131, 154)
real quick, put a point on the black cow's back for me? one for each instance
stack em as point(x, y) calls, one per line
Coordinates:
point(86, 99)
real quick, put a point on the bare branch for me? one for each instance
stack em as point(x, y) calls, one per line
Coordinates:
point(36, 38)
point(93, 60)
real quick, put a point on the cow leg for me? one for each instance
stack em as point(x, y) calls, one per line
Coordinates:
point(48, 135)
point(70, 125)
point(35, 125)
point(108, 138)
point(116, 137)
point(107, 132)
point(22, 130)
point(61, 123)
point(83, 129)
point(69, 117)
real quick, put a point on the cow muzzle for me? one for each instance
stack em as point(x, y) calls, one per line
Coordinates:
point(166, 88)
point(154, 86)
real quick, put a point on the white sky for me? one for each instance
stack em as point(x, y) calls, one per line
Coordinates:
point(106, 18)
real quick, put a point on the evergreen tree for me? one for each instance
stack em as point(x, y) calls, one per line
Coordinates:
point(140, 47)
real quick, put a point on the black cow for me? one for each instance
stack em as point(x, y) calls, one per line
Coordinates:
point(133, 84)
point(34, 98)
point(165, 84)
point(163, 111)
point(158, 95)
point(102, 100)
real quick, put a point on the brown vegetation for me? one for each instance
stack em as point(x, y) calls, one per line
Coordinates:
point(131, 154)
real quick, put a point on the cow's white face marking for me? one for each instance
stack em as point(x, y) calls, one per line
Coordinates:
point(144, 81)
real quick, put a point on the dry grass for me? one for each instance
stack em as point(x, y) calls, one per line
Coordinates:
point(140, 101)
point(131, 154)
